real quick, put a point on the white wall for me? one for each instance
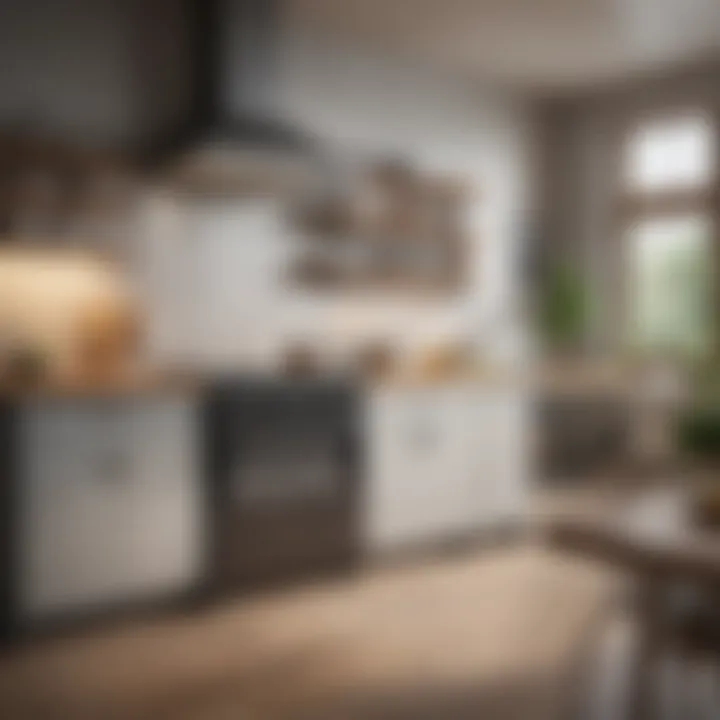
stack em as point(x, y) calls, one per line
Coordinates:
point(233, 302)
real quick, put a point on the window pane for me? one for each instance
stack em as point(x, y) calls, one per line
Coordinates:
point(670, 154)
point(670, 287)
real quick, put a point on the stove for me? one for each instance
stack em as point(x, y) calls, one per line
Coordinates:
point(282, 463)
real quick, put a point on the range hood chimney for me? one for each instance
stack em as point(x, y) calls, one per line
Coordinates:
point(235, 140)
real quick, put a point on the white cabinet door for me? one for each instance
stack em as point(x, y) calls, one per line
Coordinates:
point(392, 472)
point(165, 546)
point(514, 454)
point(500, 456)
point(110, 509)
point(71, 508)
point(418, 470)
point(456, 486)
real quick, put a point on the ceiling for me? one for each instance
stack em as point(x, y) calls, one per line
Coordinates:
point(535, 44)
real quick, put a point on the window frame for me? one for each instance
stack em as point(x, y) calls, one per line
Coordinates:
point(633, 206)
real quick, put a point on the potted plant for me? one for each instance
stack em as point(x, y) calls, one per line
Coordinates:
point(562, 314)
point(698, 440)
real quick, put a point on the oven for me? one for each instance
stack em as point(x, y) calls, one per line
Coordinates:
point(282, 466)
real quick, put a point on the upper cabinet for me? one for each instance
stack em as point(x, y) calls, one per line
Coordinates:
point(103, 72)
point(90, 85)
point(54, 193)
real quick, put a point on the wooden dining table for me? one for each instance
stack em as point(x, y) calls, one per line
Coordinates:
point(654, 538)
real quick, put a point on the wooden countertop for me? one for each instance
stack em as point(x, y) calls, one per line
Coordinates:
point(190, 381)
point(142, 384)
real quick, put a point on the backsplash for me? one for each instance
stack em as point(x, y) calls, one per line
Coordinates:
point(216, 278)
point(61, 307)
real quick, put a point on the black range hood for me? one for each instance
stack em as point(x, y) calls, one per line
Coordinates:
point(235, 139)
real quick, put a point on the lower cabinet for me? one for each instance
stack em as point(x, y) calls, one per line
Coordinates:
point(501, 454)
point(109, 507)
point(581, 435)
point(443, 462)
point(109, 503)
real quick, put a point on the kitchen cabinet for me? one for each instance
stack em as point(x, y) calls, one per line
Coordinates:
point(582, 434)
point(500, 454)
point(108, 505)
point(443, 461)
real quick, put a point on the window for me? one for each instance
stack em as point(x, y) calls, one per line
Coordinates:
point(669, 171)
point(670, 154)
point(671, 284)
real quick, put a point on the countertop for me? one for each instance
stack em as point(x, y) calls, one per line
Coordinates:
point(132, 385)
point(557, 382)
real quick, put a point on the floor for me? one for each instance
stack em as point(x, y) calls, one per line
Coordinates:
point(493, 633)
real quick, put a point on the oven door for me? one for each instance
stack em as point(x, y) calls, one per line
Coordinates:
point(285, 489)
